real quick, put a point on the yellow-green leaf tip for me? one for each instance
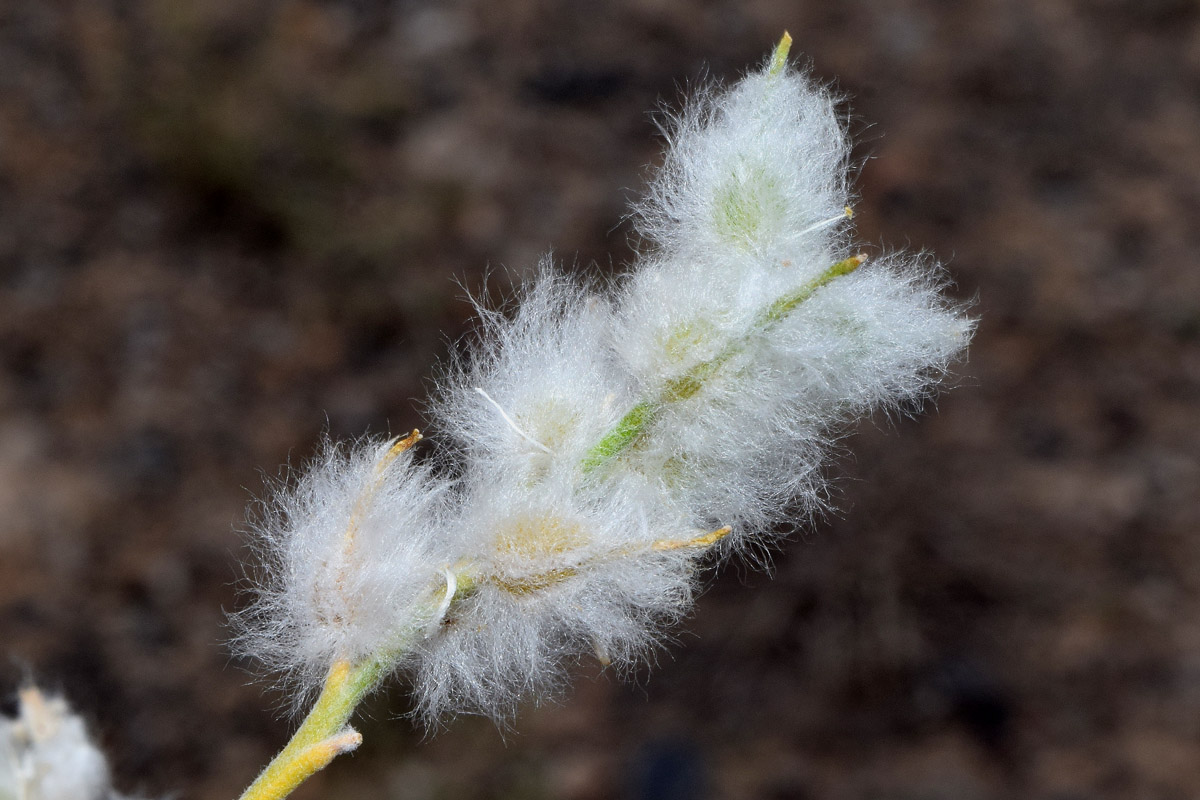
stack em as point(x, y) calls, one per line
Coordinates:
point(779, 57)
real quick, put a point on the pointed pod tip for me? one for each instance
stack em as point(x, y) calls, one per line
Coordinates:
point(779, 57)
point(396, 448)
point(410, 440)
point(849, 265)
point(703, 541)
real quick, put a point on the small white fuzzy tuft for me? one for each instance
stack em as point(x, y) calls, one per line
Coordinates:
point(598, 443)
point(351, 548)
point(46, 754)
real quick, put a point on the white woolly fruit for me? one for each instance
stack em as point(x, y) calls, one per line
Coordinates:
point(352, 551)
point(538, 388)
point(46, 754)
point(880, 336)
point(554, 576)
point(757, 171)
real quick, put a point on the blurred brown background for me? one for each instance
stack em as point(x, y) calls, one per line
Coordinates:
point(226, 225)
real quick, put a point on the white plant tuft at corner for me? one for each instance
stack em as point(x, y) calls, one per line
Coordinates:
point(46, 753)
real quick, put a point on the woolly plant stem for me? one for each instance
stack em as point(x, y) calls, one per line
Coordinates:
point(435, 558)
point(323, 735)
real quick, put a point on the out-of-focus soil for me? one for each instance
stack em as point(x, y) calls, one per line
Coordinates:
point(226, 226)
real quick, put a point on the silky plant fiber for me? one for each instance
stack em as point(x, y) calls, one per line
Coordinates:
point(599, 443)
point(47, 754)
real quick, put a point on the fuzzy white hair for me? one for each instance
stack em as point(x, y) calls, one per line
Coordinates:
point(46, 753)
point(349, 547)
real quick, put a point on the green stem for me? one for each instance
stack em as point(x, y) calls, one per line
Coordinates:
point(637, 420)
point(324, 733)
point(788, 303)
